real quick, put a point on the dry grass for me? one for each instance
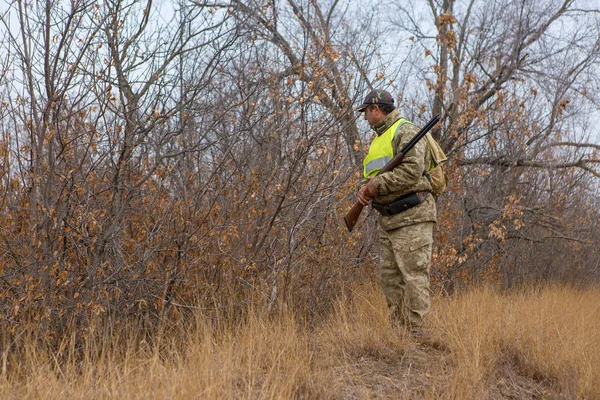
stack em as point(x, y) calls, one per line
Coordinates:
point(480, 344)
point(536, 343)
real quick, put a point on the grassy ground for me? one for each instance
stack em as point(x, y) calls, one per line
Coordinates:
point(542, 343)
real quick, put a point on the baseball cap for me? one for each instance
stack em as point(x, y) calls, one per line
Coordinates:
point(376, 97)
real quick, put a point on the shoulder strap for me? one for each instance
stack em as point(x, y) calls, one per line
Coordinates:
point(394, 143)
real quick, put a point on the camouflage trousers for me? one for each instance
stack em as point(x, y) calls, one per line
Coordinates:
point(404, 272)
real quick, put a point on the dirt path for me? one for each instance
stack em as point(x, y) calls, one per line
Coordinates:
point(425, 370)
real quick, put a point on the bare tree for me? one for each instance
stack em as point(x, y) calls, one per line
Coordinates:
point(318, 46)
point(96, 110)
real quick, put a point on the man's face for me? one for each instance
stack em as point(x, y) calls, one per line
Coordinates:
point(373, 115)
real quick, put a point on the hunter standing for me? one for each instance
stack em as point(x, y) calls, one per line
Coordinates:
point(406, 210)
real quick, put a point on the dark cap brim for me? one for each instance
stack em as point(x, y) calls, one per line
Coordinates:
point(361, 108)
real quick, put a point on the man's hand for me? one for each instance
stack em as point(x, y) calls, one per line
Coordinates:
point(367, 192)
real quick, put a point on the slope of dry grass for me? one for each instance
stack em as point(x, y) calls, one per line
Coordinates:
point(480, 344)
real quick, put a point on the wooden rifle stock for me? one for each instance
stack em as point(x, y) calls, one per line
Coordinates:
point(351, 216)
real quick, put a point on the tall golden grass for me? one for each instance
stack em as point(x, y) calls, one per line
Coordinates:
point(479, 344)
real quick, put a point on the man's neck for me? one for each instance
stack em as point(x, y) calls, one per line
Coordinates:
point(385, 123)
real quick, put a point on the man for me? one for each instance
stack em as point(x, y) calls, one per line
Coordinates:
point(405, 207)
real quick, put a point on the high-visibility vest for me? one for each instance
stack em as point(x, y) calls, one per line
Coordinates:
point(381, 150)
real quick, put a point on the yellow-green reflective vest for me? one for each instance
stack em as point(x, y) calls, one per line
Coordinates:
point(381, 150)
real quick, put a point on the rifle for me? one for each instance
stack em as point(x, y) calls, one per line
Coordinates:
point(352, 215)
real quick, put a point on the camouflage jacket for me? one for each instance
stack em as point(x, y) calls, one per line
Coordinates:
point(406, 178)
